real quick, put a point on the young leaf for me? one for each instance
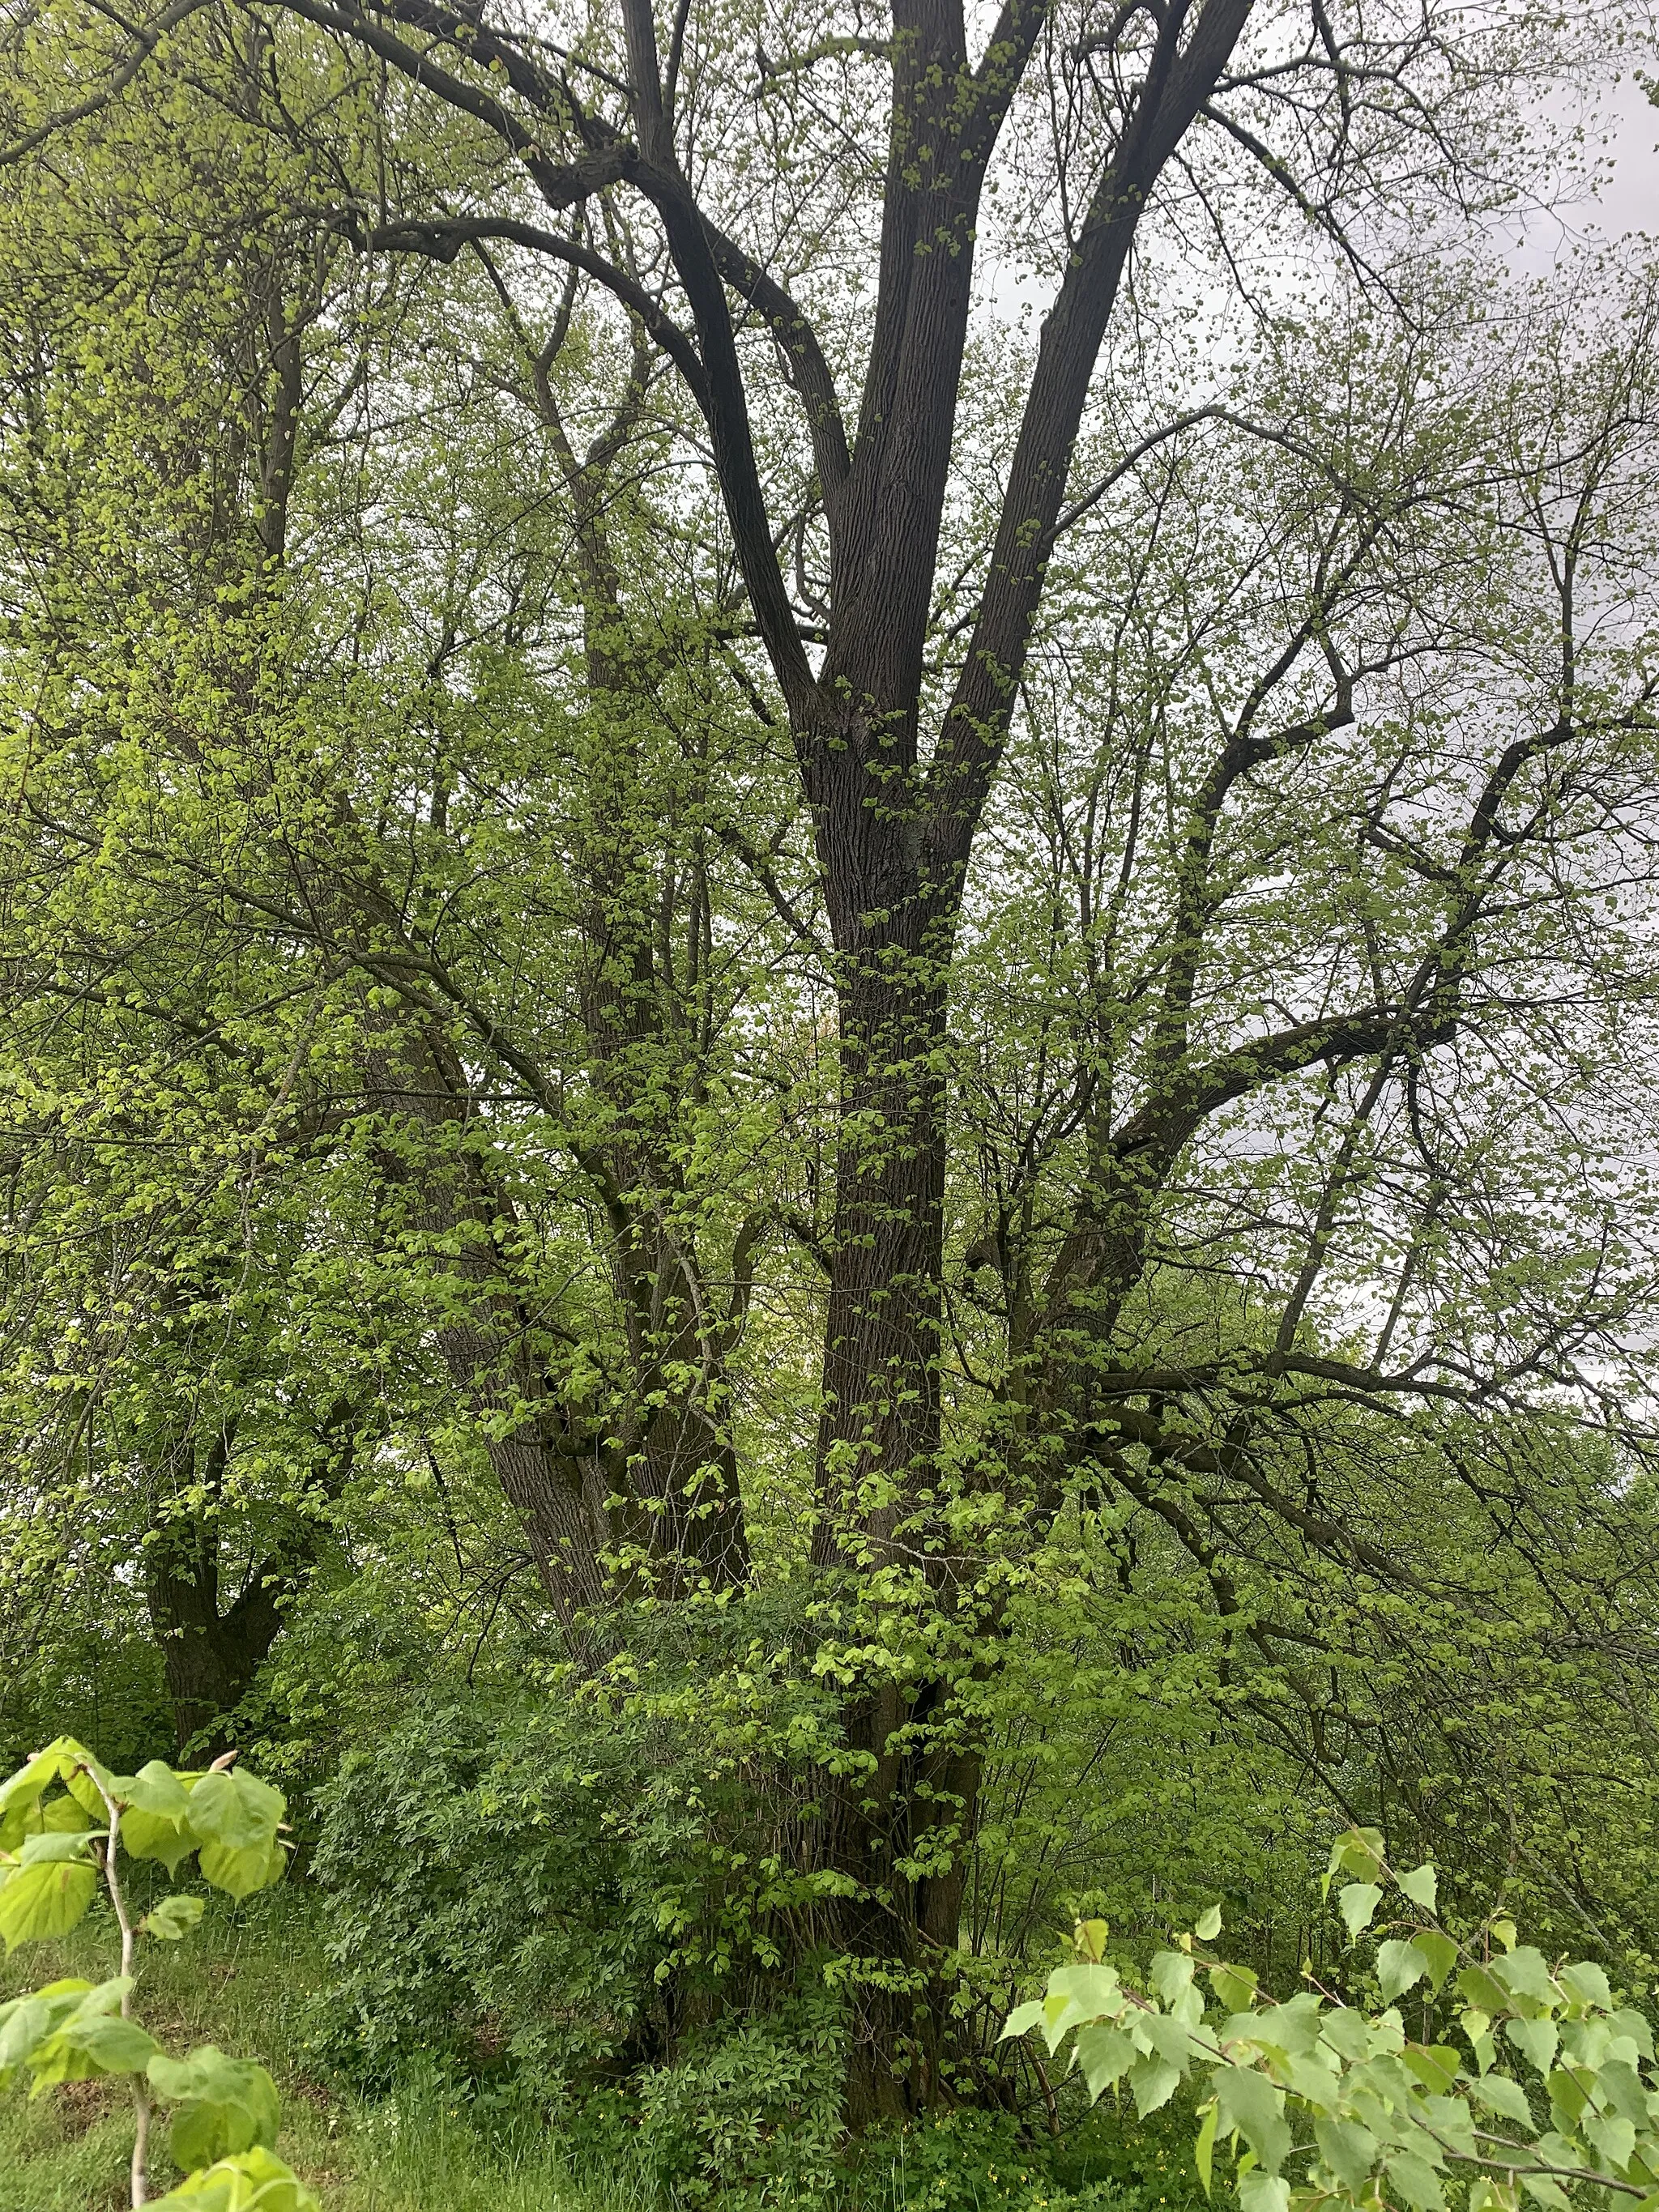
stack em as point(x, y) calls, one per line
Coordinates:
point(149, 1835)
point(239, 1872)
point(1399, 1964)
point(1419, 1886)
point(1204, 2149)
point(1105, 2055)
point(225, 2105)
point(1210, 1926)
point(40, 1902)
point(253, 2181)
point(1250, 2107)
point(1357, 1901)
point(172, 1918)
point(235, 1811)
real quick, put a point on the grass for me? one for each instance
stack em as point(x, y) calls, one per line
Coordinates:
point(242, 1982)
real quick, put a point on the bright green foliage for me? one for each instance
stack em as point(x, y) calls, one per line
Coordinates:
point(51, 1864)
point(1551, 2087)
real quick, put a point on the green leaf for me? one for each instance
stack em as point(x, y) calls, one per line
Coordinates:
point(253, 2181)
point(40, 1902)
point(153, 1836)
point(1415, 2179)
point(1547, 2192)
point(1171, 1972)
point(225, 2105)
point(239, 1872)
point(1538, 2039)
point(1419, 1886)
point(87, 2046)
point(1234, 1986)
point(27, 2021)
point(56, 1847)
point(1153, 2081)
point(1204, 2149)
point(176, 1916)
point(156, 1789)
point(1481, 1993)
point(1210, 1926)
point(1263, 2192)
point(1105, 2054)
point(235, 1811)
point(1399, 1964)
point(1439, 1951)
point(1358, 1851)
point(1589, 1983)
point(1348, 2149)
point(1357, 1901)
point(1252, 2107)
point(1613, 2136)
point(1436, 2065)
point(1499, 2094)
point(1523, 1973)
point(1022, 2018)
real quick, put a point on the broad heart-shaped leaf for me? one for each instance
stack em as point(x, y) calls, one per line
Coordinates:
point(156, 1789)
point(154, 1835)
point(254, 2181)
point(239, 1872)
point(38, 1902)
point(1359, 1901)
point(87, 2045)
point(225, 2105)
point(235, 1811)
point(56, 1846)
point(27, 2021)
point(172, 1918)
point(1250, 2107)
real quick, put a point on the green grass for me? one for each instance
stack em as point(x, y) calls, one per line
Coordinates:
point(243, 1982)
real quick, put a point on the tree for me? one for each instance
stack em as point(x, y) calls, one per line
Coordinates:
point(1206, 793)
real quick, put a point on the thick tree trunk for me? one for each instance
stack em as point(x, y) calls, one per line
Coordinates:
point(209, 1656)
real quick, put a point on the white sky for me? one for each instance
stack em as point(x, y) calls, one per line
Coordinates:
point(1627, 124)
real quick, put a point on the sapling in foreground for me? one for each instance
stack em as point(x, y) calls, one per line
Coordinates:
point(1549, 2093)
point(66, 1825)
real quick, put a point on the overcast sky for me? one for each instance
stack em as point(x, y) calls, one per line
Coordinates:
point(1628, 196)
